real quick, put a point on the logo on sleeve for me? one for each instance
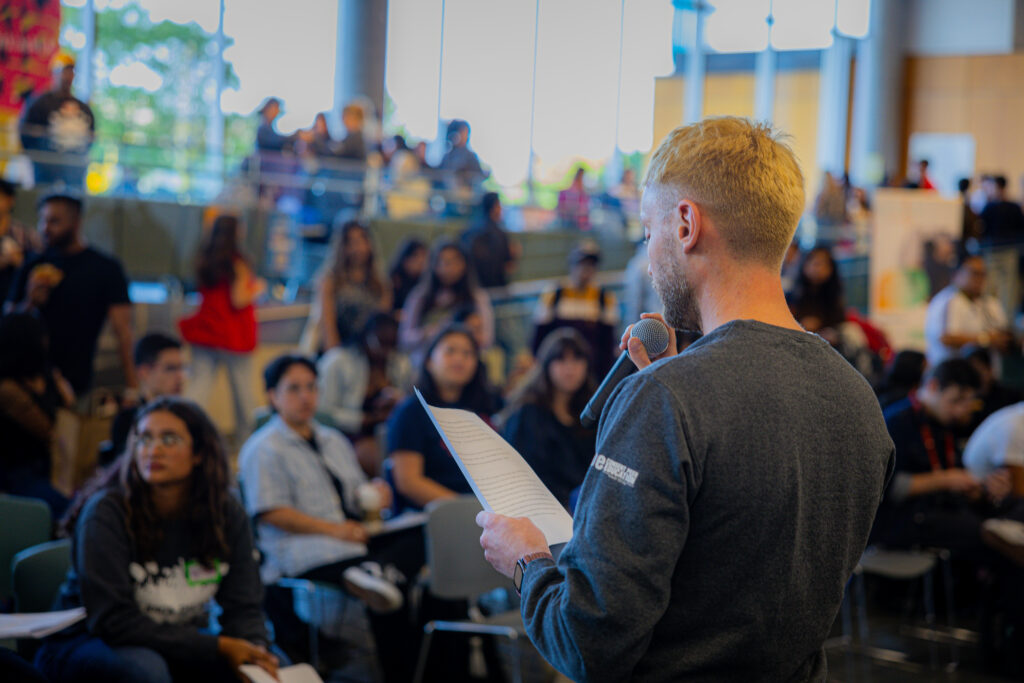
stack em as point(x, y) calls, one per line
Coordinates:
point(615, 470)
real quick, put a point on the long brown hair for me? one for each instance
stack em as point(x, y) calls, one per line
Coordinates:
point(339, 270)
point(208, 498)
point(216, 263)
point(537, 388)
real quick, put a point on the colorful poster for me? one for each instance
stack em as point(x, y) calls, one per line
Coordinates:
point(29, 33)
point(913, 255)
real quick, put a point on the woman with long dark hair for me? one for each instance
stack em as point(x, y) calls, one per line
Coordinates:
point(154, 538)
point(542, 420)
point(223, 331)
point(817, 300)
point(452, 377)
point(447, 287)
point(407, 267)
point(351, 286)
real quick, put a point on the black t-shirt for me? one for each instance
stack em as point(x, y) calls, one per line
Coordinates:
point(489, 251)
point(410, 429)
point(77, 308)
point(560, 455)
point(1004, 223)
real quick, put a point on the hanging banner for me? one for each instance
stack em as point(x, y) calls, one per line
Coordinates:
point(913, 254)
point(29, 33)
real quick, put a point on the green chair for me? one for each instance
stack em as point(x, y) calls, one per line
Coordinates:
point(26, 522)
point(37, 573)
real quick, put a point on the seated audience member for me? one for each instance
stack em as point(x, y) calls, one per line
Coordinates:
point(1002, 220)
point(154, 540)
point(997, 443)
point(932, 500)
point(452, 377)
point(74, 288)
point(491, 254)
point(305, 490)
point(353, 145)
point(320, 144)
point(460, 161)
point(901, 377)
point(362, 382)
point(29, 398)
point(574, 204)
point(160, 368)
point(351, 288)
point(993, 394)
point(17, 242)
point(816, 299)
point(583, 305)
point(448, 287)
point(267, 137)
point(223, 331)
point(963, 314)
point(407, 268)
point(544, 416)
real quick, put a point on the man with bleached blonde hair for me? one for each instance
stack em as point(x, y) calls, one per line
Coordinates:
point(734, 484)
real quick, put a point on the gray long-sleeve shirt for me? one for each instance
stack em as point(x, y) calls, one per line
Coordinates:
point(730, 499)
point(161, 603)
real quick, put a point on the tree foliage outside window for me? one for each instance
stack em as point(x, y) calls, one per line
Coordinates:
point(154, 93)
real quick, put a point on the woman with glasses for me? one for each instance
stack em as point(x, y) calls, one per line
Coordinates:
point(155, 538)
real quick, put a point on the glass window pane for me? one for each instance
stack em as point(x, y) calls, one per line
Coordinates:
point(737, 25)
point(852, 17)
point(413, 60)
point(802, 24)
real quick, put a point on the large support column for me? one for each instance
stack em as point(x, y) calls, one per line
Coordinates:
point(876, 132)
point(833, 104)
point(361, 52)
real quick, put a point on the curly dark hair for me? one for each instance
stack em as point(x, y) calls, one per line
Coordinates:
point(208, 498)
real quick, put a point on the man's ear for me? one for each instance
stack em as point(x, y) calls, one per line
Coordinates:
point(690, 225)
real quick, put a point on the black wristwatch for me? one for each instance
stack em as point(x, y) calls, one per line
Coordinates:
point(520, 569)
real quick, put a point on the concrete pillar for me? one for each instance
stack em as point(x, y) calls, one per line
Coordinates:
point(361, 52)
point(876, 131)
point(833, 105)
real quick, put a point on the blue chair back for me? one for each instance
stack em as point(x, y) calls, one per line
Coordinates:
point(24, 522)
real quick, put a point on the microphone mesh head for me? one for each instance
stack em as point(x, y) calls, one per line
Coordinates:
point(653, 334)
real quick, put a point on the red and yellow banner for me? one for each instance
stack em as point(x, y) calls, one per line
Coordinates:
point(29, 34)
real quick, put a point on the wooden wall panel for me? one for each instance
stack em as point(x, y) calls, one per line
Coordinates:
point(979, 95)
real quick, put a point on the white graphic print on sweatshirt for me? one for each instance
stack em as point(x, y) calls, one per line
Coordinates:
point(179, 594)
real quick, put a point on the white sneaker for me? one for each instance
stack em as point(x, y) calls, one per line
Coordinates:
point(1008, 530)
point(367, 582)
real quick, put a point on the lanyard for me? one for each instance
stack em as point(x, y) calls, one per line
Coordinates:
point(929, 439)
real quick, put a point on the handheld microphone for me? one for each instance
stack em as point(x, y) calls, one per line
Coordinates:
point(653, 334)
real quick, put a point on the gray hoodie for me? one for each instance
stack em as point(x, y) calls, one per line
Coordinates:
point(731, 496)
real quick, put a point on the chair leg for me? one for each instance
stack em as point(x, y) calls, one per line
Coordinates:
point(421, 662)
point(947, 581)
point(862, 609)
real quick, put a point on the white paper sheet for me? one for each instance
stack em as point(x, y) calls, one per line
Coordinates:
point(38, 624)
point(502, 481)
point(300, 673)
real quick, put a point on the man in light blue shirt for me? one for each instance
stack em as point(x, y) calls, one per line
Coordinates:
point(306, 493)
